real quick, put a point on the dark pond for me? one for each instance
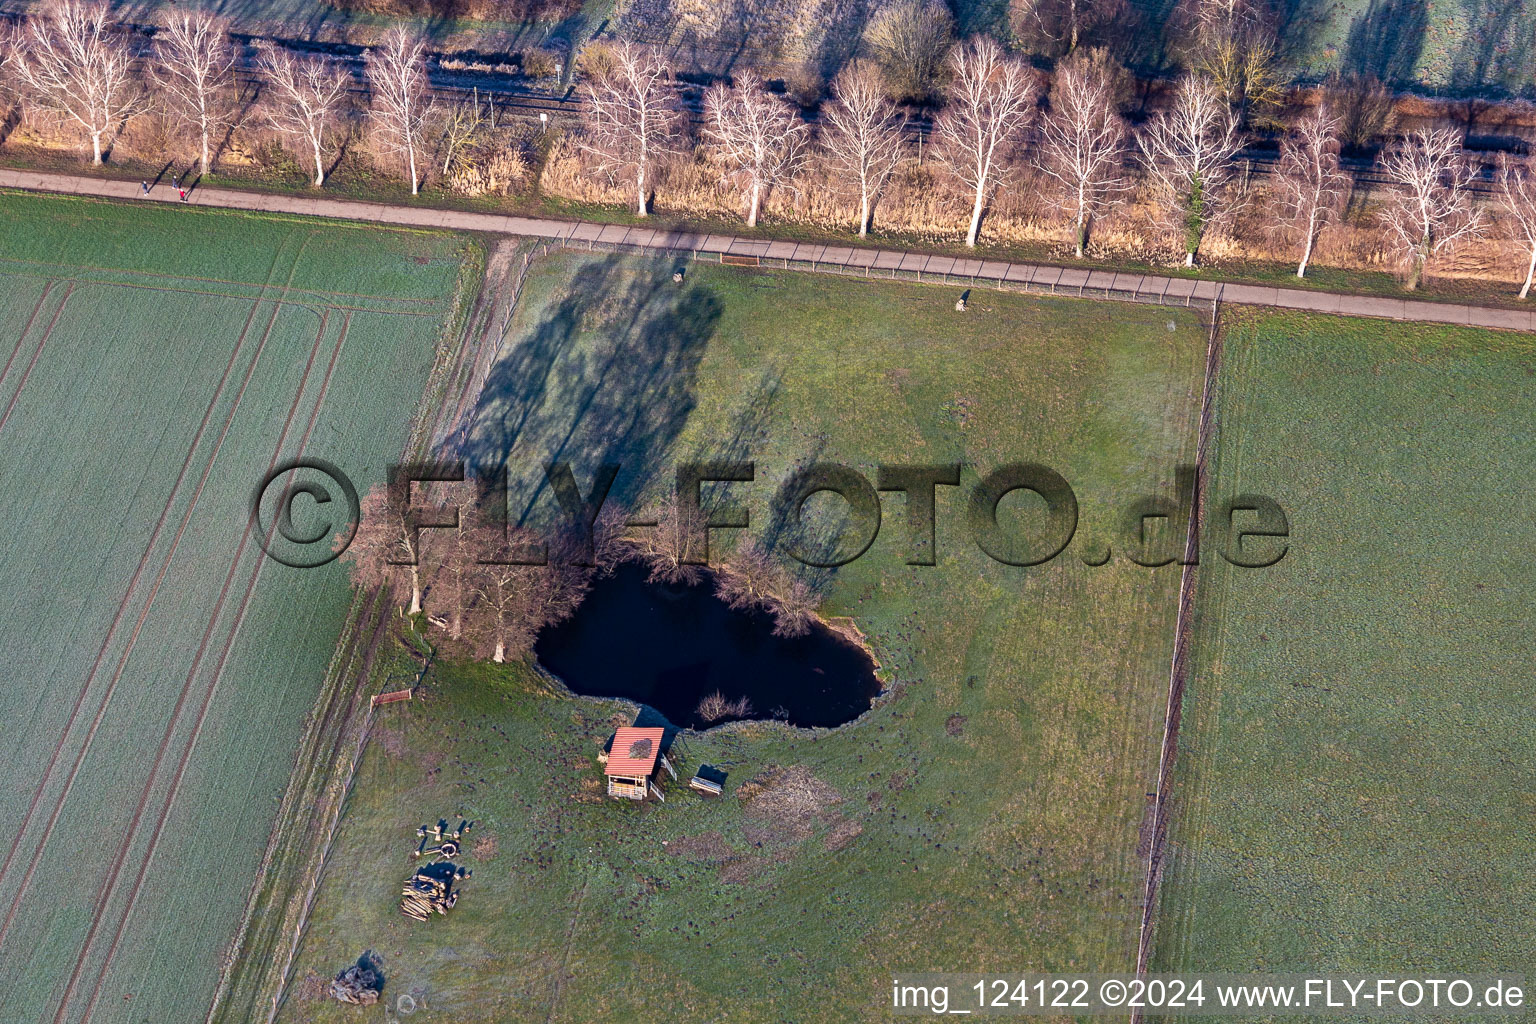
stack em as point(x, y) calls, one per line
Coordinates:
point(669, 647)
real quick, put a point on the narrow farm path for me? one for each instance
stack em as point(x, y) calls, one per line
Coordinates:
point(872, 262)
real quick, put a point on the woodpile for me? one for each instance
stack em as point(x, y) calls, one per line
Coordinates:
point(358, 984)
point(424, 893)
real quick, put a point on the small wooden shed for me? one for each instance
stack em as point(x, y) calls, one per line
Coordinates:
point(631, 761)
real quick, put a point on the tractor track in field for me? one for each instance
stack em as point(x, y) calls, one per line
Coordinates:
point(47, 287)
point(37, 354)
point(106, 643)
point(121, 856)
point(115, 868)
point(218, 672)
point(106, 698)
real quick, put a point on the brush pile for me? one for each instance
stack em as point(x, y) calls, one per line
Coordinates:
point(358, 984)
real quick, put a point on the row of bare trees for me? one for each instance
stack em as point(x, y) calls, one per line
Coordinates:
point(67, 61)
point(1183, 158)
point(495, 587)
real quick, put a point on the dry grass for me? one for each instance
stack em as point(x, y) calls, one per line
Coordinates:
point(786, 804)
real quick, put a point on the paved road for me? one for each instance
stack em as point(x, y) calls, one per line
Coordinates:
point(1063, 280)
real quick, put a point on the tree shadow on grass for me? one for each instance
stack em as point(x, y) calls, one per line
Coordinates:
point(1386, 40)
point(1494, 50)
point(608, 376)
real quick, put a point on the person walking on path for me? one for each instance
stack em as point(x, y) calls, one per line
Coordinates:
point(181, 192)
point(145, 186)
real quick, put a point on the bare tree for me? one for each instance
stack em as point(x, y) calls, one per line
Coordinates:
point(397, 76)
point(1235, 44)
point(192, 67)
point(1429, 208)
point(1188, 152)
point(506, 594)
point(73, 67)
point(795, 609)
point(715, 706)
point(759, 138)
point(1517, 196)
point(1083, 144)
point(749, 578)
point(461, 127)
point(672, 549)
point(454, 552)
point(1055, 27)
point(520, 600)
point(632, 119)
point(310, 92)
point(387, 547)
point(1365, 107)
point(910, 41)
point(1310, 187)
point(989, 104)
point(862, 136)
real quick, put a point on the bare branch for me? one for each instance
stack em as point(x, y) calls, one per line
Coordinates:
point(862, 137)
point(397, 75)
point(632, 120)
point(1083, 144)
point(71, 66)
point(310, 93)
point(1310, 188)
point(1517, 197)
point(989, 104)
point(192, 66)
point(758, 138)
point(1187, 154)
point(1429, 208)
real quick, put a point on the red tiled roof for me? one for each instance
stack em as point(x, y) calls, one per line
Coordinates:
point(619, 761)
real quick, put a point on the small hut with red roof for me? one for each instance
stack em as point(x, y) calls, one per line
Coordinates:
point(631, 760)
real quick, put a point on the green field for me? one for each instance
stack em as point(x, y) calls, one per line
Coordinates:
point(159, 668)
point(1356, 777)
point(985, 815)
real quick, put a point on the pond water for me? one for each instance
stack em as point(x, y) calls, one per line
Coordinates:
point(669, 647)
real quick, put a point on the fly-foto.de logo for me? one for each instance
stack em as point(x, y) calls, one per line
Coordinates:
point(305, 513)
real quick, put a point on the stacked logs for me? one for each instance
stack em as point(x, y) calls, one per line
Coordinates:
point(425, 893)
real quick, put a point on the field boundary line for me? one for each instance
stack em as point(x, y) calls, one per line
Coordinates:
point(218, 671)
point(115, 868)
point(37, 354)
point(1178, 673)
point(479, 369)
point(27, 329)
point(112, 630)
point(299, 300)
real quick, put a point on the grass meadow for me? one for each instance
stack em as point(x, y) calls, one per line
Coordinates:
point(157, 672)
point(1356, 775)
point(986, 814)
